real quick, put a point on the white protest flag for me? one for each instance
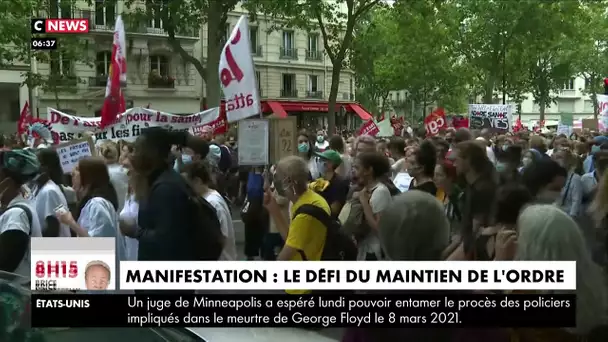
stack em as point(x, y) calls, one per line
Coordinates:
point(237, 75)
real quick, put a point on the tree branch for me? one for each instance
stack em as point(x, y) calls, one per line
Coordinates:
point(364, 8)
point(177, 47)
point(330, 53)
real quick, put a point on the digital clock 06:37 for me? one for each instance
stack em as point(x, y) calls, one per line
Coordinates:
point(48, 43)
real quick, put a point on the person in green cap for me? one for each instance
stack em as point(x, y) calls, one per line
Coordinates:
point(331, 186)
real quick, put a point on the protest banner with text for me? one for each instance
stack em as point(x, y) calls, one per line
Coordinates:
point(495, 117)
point(128, 125)
point(237, 74)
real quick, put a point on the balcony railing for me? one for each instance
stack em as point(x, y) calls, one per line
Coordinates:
point(104, 22)
point(289, 53)
point(314, 55)
point(161, 82)
point(256, 50)
point(98, 81)
point(314, 94)
point(289, 93)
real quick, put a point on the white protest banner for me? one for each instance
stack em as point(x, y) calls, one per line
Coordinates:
point(602, 122)
point(128, 126)
point(237, 74)
point(496, 117)
point(71, 152)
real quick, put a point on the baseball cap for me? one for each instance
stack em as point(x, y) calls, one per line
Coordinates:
point(331, 155)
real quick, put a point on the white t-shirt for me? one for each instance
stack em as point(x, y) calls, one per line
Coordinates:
point(100, 219)
point(322, 146)
point(223, 214)
point(16, 219)
point(379, 201)
point(46, 200)
point(120, 181)
point(129, 212)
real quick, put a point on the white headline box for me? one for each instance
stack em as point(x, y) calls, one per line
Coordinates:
point(348, 275)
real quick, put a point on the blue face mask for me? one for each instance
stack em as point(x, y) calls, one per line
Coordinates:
point(595, 148)
point(303, 148)
point(186, 158)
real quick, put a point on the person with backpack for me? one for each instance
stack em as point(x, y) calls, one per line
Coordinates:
point(199, 176)
point(311, 235)
point(19, 221)
point(360, 216)
point(174, 223)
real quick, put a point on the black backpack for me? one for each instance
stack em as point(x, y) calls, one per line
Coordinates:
point(338, 246)
point(207, 231)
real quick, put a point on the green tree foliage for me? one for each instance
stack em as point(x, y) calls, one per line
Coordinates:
point(371, 56)
point(591, 48)
point(335, 20)
point(185, 17)
point(550, 57)
point(15, 47)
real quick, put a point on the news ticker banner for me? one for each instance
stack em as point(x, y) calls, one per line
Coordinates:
point(347, 275)
point(321, 311)
point(86, 263)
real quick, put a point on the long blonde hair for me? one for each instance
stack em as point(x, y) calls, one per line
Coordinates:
point(598, 209)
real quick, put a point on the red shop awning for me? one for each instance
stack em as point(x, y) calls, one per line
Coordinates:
point(277, 109)
point(362, 113)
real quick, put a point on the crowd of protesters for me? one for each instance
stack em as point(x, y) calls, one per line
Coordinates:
point(460, 195)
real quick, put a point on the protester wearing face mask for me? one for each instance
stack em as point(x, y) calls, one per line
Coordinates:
point(321, 144)
point(19, 221)
point(330, 185)
point(306, 152)
point(304, 236)
point(508, 164)
point(530, 157)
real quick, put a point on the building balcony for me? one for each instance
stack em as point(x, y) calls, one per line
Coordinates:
point(569, 93)
point(289, 93)
point(104, 22)
point(314, 55)
point(256, 51)
point(289, 53)
point(161, 82)
point(314, 94)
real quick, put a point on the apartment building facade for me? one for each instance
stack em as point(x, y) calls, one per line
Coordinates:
point(291, 67)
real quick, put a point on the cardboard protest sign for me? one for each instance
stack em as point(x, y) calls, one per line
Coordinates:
point(283, 138)
point(590, 124)
point(495, 117)
point(128, 125)
point(71, 152)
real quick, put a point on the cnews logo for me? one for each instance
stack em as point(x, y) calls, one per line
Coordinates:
point(60, 25)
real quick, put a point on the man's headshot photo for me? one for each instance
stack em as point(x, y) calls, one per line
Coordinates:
point(97, 275)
